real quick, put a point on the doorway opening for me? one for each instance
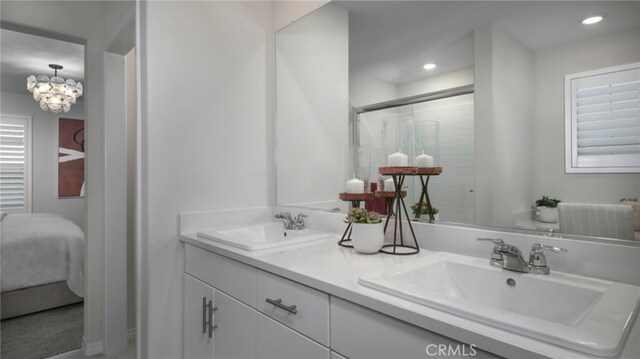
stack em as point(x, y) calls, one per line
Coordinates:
point(42, 182)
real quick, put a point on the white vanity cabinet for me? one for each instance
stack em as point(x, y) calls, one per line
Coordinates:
point(216, 325)
point(222, 319)
point(261, 315)
point(311, 306)
point(358, 332)
point(197, 298)
point(277, 341)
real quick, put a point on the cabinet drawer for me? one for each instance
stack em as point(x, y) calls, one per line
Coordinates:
point(358, 332)
point(232, 277)
point(311, 316)
point(276, 341)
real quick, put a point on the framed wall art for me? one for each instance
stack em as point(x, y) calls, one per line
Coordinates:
point(70, 158)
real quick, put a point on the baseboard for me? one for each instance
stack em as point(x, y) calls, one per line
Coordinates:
point(131, 334)
point(95, 348)
point(91, 349)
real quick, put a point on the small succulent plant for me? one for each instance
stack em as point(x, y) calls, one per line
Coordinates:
point(424, 209)
point(361, 215)
point(545, 201)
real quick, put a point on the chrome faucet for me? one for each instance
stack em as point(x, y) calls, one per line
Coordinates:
point(537, 259)
point(291, 222)
point(507, 256)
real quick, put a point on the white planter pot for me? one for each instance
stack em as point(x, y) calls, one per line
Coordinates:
point(367, 238)
point(547, 214)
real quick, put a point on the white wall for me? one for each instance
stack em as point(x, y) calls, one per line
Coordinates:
point(286, 12)
point(131, 119)
point(115, 245)
point(117, 15)
point(513, 116)
point(201, 149)
point(44, 127)
point(439, 82)
point(366, 90)
point(551, 65)
point(312, 107)
point(503, 119)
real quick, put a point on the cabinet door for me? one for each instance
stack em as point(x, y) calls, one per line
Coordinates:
point(276, 341)
point(358, 332)
point(235, 334)
point(197, 295)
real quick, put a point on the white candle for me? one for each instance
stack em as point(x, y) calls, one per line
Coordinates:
point(398, 159)
point(424, 160)
point(389, 186)
point(355, 186)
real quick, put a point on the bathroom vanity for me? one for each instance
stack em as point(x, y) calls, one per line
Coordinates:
point(234, 309)
point(306, 301)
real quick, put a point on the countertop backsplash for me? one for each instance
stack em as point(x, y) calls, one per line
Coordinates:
point(604, 260)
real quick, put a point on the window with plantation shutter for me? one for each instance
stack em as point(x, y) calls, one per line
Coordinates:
point(15, 163)
point(602, 121)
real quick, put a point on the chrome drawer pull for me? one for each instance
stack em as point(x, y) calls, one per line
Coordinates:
point(204, 314)
point(212, 326)
point(278, 303)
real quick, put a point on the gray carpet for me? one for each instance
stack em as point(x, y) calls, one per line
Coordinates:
point(43, 334)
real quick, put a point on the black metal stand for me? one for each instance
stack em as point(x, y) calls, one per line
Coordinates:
point(424, 195)
point(355, 199)
point(390, 200)
point(345, 241)
point(399, 247)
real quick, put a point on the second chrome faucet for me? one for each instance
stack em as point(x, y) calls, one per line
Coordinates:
point(292, 222)
point(509, 257)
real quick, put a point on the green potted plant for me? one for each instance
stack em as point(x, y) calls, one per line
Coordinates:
point(547, 209)
point(367, 234)
point(424, 210)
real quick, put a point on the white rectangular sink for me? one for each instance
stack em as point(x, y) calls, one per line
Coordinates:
point(585, 314)
point(263, 236)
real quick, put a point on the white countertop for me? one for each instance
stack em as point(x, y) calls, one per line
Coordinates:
point(335, 270)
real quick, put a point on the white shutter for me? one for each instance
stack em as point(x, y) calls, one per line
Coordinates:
point(602, 122)
point(15, 163)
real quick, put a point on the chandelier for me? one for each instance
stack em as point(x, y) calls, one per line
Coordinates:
point(54, 94)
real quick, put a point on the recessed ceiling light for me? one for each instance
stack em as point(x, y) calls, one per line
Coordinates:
point(592, 19)
point(429, 66)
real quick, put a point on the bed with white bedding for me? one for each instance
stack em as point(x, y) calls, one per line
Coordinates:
point(38, 252)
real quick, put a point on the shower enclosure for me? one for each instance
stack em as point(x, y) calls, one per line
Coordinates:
point(438, 124)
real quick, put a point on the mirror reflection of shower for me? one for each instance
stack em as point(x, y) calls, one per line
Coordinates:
point(442, 128)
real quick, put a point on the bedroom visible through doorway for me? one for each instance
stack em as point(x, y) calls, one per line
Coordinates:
point(42, 203)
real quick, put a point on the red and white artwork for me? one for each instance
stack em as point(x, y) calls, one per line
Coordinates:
point(70, 158)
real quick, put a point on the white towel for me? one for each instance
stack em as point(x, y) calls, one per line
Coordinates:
point(597, 220)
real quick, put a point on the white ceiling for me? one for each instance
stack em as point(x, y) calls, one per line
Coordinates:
point(391, 40)
point(22, 55)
